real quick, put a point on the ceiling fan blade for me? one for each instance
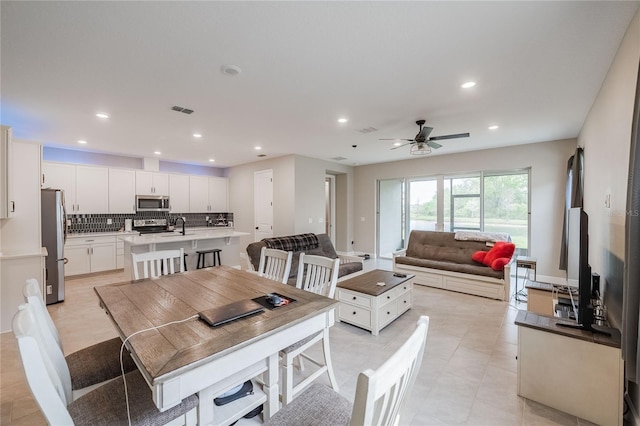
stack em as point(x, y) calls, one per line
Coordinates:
point(457, 135)
point(404, 144)
point(424, 134)
point(433, 145)
point(396, 139)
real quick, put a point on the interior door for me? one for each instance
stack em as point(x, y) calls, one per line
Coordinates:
point(263, 204)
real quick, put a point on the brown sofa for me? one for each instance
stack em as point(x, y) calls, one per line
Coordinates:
point(439, 260)
point(315, 244)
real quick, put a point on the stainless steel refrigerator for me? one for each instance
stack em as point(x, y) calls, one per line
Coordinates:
point(54, 235)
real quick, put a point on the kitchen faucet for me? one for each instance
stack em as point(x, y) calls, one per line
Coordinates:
point(176, 223)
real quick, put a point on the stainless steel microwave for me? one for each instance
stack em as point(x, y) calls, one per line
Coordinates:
point(152, 203)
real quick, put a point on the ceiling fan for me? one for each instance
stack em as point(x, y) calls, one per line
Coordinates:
point(422, 143)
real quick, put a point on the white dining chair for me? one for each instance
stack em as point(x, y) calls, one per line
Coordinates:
point(380, 394)
point(319, 275)
point(156, 263)
point(49, 382)
point(88, 367)
point(275, 264)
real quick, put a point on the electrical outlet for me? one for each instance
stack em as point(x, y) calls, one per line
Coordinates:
point(109, 221)
point(49, 289)
point(607, 201)
point(68, 222)
point(206, 218)
point(310, 220)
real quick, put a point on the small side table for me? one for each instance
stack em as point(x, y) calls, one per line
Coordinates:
point(528, 263)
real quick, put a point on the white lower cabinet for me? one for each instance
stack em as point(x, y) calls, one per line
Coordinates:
point(89, 254)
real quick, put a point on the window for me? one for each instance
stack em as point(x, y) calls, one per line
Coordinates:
point(481, 201)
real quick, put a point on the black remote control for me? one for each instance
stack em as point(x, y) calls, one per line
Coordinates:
point(400, 275)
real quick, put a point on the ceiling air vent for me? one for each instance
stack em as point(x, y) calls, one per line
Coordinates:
point(181, 109)
point(337, 158)
point(368, 130)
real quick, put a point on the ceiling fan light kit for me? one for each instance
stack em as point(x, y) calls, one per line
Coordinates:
point(420, 149)
point(421, 144)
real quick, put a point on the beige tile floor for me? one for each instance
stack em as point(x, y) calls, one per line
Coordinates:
point(468, 376)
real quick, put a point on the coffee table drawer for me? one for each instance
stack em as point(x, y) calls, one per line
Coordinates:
point(386, 314)
point(354, 298)
point(355, 315)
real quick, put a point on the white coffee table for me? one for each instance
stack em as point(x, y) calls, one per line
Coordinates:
point(366, 304)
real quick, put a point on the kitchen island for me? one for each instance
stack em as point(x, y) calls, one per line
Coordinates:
point(226, 239)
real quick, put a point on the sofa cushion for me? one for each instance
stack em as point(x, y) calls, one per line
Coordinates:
point(479, 256)
point(442, 246)
point(498, 264)
point(450, 266)
point(499, 249)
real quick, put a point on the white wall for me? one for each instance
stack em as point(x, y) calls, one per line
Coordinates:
point(298, 194)
point(606, 137)
point(548, 162)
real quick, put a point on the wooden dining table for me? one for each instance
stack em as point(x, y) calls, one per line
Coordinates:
point(191, 357)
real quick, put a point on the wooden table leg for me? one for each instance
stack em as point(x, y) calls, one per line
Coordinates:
point(271, 387)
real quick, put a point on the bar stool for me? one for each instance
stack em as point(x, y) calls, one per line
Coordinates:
point(202, 257)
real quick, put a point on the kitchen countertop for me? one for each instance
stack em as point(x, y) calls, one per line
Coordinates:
point(19, 254)
point(192, 235)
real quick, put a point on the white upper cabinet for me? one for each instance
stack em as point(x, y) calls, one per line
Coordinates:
point(179, 193)
point(208, 194)
point(218, 195)
point(92, 189)
point(61, 176)
point(152, 183)
point(122, 191)
point(199, 194)
point(85, 187)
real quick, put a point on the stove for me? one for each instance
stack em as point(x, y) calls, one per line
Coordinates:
point(150, 226)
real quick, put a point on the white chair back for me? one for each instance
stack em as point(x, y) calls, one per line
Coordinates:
point(42, 375)
point(33, 296)
point(380, 394)
point(156, 263)
point(275, 264)
point(318, 274)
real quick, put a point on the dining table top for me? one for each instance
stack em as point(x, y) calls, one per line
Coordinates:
point(167, 351)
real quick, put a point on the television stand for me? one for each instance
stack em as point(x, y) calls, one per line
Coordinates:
point(586, 317)
point(574, 371)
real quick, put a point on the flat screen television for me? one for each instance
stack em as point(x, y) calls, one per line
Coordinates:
point(579, 271)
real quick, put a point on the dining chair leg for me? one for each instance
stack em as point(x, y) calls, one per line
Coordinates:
point(327, 360)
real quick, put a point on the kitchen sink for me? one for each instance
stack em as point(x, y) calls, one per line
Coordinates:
point(178, 234)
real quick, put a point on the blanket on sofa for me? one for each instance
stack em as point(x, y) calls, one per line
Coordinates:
point(298, 242)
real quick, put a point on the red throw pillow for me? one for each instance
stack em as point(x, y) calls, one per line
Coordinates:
point(498, 264)
point(499, 249)
point(479, 256)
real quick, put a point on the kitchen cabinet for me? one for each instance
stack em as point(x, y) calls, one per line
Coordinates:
point(7, 203)
point(89, 254)
point(208, 194)
point(152, 183)
point(179, 193)
point(122, 191)
point(86, 188)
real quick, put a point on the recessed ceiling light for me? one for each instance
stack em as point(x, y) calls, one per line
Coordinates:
point(157, 152)
point(197, 135)
point(258, 148)
point(102, 115)
point(468, 84)
point(397, 143)
point(494, 127)
point(342, 120)
point(230, 70)
point(211, 160)
point(82, 141)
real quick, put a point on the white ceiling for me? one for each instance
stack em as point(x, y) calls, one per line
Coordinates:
point(538, 67)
